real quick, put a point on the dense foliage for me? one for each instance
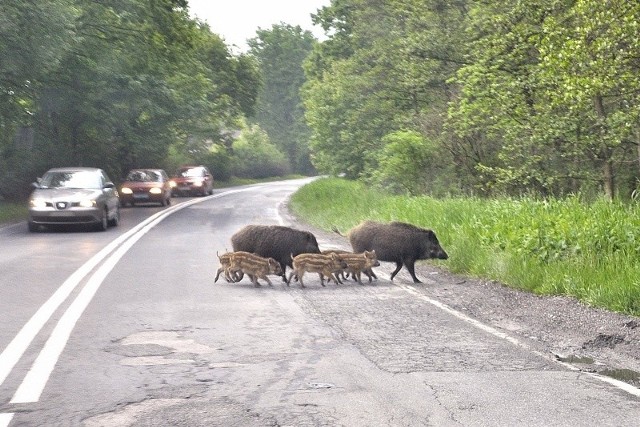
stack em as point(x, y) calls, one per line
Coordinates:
point(280, 52)
point(439, 97)
point(113, 84)
point(539, 97)
point(568, 247)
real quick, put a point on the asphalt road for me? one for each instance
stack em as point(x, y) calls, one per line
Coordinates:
point(126, 328)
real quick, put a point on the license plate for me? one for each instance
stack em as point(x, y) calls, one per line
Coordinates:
point(140, 196)
point(183, 188)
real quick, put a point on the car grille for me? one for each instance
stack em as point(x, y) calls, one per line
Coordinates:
point(63, 220)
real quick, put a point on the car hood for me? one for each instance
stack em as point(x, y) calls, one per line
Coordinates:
point(134, 184)
point(65, 194)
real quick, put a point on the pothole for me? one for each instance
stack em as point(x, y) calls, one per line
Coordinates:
point(575, 359)
point(154, 347)
point(130, 414)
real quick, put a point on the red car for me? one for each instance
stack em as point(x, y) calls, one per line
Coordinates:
point(146, 186)
point(192, 180)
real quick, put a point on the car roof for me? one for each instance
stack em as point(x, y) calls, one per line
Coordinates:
point(74, 169)
point(146, 169)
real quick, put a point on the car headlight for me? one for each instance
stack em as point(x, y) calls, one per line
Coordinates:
point(126, 190)
point(87, 203)
point(172, 184)
point(198, 182)
point(155, 190)
point(38, 203)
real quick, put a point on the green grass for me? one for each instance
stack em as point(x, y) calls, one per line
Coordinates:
point(553, 247)
point(12, 212)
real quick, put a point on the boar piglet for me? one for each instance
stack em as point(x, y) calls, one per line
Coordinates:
point(324, 265)
point(225, 264)
point(397, 242)
point(255, 266)
point(357, 263)
point(275, 241)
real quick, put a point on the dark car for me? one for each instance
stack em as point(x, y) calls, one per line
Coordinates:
point(192, 180)
point(146, 186)
point(78, 195)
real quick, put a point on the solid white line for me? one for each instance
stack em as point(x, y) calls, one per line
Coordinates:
point(36, 379)
point(16, 348)
point(619, 384)
point(5, 419)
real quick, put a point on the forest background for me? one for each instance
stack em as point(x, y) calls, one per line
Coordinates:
point(476, 100)
point(437, 97)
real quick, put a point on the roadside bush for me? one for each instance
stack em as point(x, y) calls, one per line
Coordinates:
point(219, 162)
point(411, 164)
point(256, 157)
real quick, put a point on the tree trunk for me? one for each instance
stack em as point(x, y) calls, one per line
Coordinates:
point(607, 169)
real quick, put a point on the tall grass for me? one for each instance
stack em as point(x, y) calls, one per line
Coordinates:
point(553, 247)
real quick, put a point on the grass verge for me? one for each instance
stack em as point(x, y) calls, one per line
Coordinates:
point(553, 247)
point(12, 212)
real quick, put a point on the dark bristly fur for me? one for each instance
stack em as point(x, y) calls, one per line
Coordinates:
point(274, 241)
point(397, 242)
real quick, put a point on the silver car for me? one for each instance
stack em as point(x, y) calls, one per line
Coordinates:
point(74, 196)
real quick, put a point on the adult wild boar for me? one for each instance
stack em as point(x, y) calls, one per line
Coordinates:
point(397, 242)
point(275, 241)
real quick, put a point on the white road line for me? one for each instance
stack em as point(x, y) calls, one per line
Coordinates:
point(37, 377)
point(619, 384)
point(5, 419)
point(34, 382)
point(16, 348)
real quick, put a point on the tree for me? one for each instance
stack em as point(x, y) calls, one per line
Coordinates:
point(280, 52)
point(386, 70)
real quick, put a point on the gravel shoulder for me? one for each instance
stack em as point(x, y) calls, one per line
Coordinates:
point(590, 339)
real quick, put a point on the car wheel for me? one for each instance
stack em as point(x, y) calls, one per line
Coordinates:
point(116, 219)
point(33, 227)
point(168, 201)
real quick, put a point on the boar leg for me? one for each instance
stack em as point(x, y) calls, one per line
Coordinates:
point(300, 278)
point(398, 267)
point(410, 264)
point(288, 281)
point(321, 279)
point(359, 277)
point(371, 274)
point(218, 274)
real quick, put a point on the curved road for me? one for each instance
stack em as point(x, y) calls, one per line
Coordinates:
point(126, 328)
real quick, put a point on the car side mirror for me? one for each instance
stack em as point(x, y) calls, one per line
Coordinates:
point(109, 184)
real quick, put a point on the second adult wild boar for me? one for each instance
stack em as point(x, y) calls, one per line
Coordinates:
point(275, 241)
point(397, 242)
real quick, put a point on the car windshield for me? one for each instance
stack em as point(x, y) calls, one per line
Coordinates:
point(190, 172)
point(71, 179)
point(143, 176)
